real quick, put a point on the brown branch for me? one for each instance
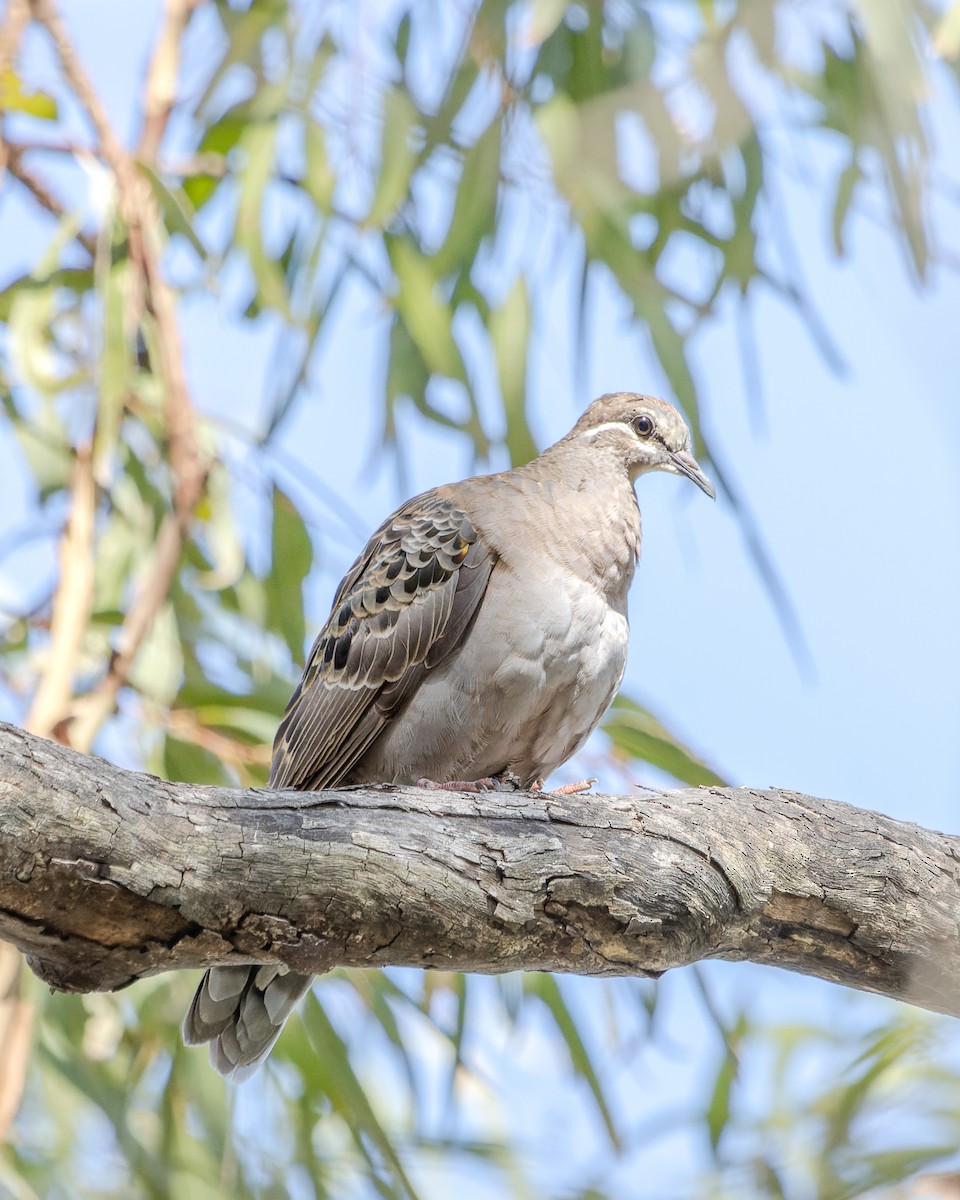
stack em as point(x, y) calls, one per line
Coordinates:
point(132, 193)
point(91, 710)
point(160, 93)
point(40, 191)
point(140, 216)
point(107, 876)
point(72, 603)
point(11, 31)
point(183, 724)
point(188, 467)
point(45, 11)
point(16, 19)
point(11, 154)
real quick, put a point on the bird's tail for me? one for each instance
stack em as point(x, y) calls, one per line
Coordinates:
point(240, 1011)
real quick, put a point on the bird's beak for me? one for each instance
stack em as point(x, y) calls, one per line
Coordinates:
point(685, 464)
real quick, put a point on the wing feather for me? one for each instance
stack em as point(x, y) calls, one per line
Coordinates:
point(402, 608)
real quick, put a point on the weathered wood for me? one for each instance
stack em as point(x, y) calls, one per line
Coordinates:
point(107, 875)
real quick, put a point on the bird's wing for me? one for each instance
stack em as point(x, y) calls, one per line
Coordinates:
point(403, 607)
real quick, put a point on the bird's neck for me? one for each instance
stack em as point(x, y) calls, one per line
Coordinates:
point(599, 491)
point(583, 510)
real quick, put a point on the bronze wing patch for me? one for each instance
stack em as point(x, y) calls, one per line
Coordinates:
point(403, 607)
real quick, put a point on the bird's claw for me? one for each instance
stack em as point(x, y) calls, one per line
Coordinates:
point(573, 789)
point(487, 784)
point(506, 781)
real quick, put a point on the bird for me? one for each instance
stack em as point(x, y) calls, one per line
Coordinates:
point(475, 643)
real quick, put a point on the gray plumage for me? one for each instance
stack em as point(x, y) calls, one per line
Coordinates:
point(482, 631)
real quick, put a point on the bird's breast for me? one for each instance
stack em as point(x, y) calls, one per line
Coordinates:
point(551, 672)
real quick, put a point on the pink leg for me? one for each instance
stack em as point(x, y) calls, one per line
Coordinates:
point(572, 789)
point(504, 781)
point(487, 784)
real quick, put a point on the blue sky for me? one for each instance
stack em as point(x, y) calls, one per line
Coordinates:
point(852, 479)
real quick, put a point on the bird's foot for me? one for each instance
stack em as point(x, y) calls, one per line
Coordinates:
point(573, 789)
point(505, 782)
point(568, 789)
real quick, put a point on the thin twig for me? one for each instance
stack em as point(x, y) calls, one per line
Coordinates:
point(141, 218)
point(160, 93)
point(72, 603)
point(11, 31)
point(45, 11)
point(40, 192)
point(189, 468)
point(183, 724)
point(90, 711)
point(132, 192)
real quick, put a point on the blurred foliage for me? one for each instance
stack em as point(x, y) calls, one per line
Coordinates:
point(414, 165)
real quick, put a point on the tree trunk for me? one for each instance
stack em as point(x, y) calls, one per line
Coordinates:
point(107, 875)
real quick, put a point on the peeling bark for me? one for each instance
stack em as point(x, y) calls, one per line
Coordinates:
point(108, 875)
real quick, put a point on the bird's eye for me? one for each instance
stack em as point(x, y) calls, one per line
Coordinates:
point(643, 425)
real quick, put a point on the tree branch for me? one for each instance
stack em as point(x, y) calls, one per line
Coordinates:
point(160, 92)
point(72, 602)
point(107, 876)
point(188, 464)
point(40, 191)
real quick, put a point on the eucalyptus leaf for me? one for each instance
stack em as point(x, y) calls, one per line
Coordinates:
point(636, 733)
point(291, 561)
point(424, 310)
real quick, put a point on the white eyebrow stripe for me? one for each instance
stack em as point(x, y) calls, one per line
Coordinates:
point(621, 425)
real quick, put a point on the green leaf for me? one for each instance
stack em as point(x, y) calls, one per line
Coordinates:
point(589, 74)
point(330, 1069)
point(425, 313)
point(45, 446)
point(271, 696)
point(218, 551)
point(509, 328)
point(218, 140)
point(184, 762)
point(158, 668)
point(946, 35)
point(402, 41)
point(543, 18)
point(474, 210)
point(259, 144)
point(14, 99)
point(177, 208)
point(290, 564)
point(319, 179)
point(637, 733)
point(379, 993)
point(547, 990)
point(670, 347)
point(847, 182)
point(718, 1106)
point(33, 348)
point(886, 1167)
point(116, 366)
point(78, 280)
point(97, 1083)
point(559, 124)
point(398, 156)
point(258, 726)
point(407, 373)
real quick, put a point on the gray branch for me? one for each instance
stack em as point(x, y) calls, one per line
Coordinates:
point(107, 875)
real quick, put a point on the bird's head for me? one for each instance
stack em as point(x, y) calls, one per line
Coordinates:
point(647, 434)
